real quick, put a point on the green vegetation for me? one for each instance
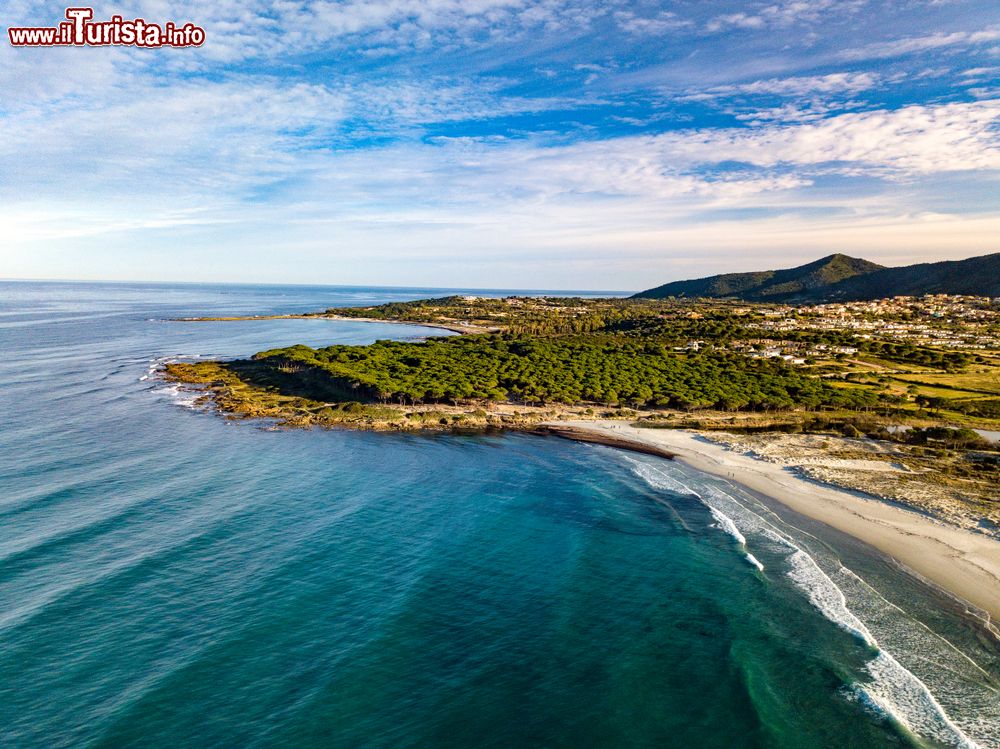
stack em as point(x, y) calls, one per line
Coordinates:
point(906, 362)
point(248, 389)
point(563, 369)
point(907, 353)
point(258, 390)
point(835, 378)
point(839, 277)
point(769, 285)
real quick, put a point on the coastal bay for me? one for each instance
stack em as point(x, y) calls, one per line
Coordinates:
point(961, 561)
point(172, 577)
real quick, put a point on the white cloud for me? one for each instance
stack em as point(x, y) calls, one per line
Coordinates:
point(815, 96)
point(244, 135)
point(783, 14)
point(210, 155)
point(117, 147)
point(911, 140)
point(804, 85)
point(910, 45)
point(792, 113)
point(654, 25)
point(735, 20)
point(238, 135)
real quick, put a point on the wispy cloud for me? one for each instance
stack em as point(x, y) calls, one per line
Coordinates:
point(908, 141)
point(782, 14)
point(914, 44)
point(803, 85)
point(577, 133)
point(736, 20)
point(650, 25)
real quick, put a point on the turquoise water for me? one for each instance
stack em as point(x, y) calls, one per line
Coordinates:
point(170, 578)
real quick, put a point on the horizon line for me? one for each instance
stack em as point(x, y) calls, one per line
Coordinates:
point(304, 285)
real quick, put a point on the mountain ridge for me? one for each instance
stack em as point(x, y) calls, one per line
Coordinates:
point(839, 277)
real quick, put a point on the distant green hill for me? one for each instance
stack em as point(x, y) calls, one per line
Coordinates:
point(770, 284)
point(839, 277)
point(979, 276)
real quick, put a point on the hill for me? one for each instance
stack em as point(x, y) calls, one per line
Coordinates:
point(842, 278)
point(769, 285)
point(977, 276)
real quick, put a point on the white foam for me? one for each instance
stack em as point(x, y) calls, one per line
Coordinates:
point(725, 523)
point(722, 521)
point(659, 480)
point(179, 395)
point(825, 595)
point(894, 691)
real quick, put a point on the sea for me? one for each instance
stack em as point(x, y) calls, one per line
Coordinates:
point(173, 578)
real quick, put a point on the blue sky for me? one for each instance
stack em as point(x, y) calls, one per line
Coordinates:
point(501, 143)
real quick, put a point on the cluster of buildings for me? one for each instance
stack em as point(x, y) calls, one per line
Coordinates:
point(790, 351)
point(766, 348)
point(949, 321)
point(938, 306)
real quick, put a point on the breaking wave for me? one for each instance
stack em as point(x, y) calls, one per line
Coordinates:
point(893, 691)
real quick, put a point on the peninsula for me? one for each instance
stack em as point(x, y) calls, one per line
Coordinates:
point(899, 382)
point(892, 399)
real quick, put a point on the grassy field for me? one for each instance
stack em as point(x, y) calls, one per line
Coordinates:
point(981, 380)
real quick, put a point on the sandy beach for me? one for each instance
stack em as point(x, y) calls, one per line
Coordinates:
point(964, 563)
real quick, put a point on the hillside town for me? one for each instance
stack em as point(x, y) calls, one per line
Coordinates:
point(950, 321)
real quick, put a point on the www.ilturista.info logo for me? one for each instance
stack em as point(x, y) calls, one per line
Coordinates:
point(79, 30)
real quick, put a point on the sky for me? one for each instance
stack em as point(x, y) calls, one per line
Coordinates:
point(562, 144)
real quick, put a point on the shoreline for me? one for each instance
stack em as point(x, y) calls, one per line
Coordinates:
point(609, 440)
point(962, 563)
point(453, 327)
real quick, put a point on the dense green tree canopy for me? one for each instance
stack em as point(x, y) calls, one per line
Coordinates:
point(565, 369)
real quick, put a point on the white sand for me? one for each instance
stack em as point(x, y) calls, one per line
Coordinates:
point(964, 563)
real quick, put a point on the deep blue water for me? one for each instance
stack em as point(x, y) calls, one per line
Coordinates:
point(170, 578)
